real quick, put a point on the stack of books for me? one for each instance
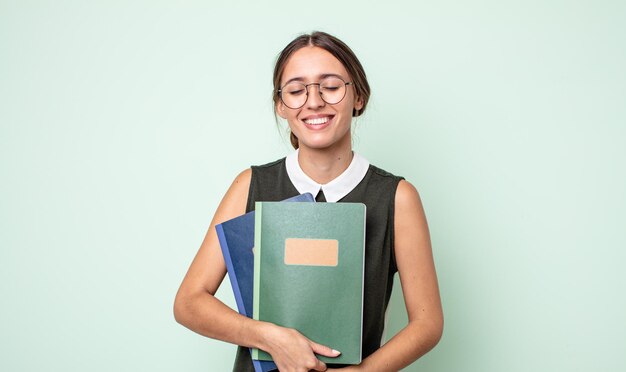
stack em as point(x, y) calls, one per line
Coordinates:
point(300, 265)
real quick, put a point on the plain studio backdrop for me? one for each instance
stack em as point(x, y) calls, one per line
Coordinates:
point(122, 124)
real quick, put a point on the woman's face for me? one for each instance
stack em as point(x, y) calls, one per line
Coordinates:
point(317, 124)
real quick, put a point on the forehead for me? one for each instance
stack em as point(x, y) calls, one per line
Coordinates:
point(311, 62)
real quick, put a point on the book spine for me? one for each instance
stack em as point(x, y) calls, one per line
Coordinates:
point(221, 236)
point(256, 285)
point(364, 211)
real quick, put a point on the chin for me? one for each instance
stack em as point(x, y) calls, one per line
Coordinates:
point(314, 146)
point(320, 145)
point(323, 141)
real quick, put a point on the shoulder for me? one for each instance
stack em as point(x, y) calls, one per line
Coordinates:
point(379, 172)
point(386, 183)
point(382, 180)
point(268, 173)
point(243, 178)
point(406, 193)
point(234, 201)
point(271, 165)
point(408, 205)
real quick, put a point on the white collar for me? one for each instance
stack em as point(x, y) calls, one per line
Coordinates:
point(333, 190)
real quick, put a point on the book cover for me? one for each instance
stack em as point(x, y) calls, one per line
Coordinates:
point(308, 273)
point(236, 237)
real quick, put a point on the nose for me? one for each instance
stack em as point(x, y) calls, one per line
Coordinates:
point(314, 97)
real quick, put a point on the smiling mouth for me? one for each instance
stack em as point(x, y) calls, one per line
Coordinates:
point(317, 121)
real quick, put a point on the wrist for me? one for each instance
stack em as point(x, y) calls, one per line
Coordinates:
point(263, 335)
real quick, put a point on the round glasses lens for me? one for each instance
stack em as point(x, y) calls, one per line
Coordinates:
point(294, 95)
point(332, 90)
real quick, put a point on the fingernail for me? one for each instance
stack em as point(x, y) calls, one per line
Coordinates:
point(336, 352)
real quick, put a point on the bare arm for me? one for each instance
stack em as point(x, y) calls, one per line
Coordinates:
point(196, 308)
point(419, 288)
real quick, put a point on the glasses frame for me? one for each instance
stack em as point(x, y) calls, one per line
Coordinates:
point(306, 87)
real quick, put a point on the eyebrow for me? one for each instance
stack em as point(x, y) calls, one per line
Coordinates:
point(319, 77)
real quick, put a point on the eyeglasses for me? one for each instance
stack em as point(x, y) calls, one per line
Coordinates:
point(331, 89)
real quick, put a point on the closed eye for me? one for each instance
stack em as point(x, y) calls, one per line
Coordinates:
point(296, 92)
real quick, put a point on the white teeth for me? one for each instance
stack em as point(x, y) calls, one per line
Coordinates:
point(317, 121)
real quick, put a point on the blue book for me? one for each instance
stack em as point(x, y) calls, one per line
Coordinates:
point(236, 239)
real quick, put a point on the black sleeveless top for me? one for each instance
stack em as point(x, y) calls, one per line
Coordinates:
point(377, 190)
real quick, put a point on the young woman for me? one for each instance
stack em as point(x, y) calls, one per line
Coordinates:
point(319, 85)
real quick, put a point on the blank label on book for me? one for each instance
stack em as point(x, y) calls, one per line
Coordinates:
point(311, 252)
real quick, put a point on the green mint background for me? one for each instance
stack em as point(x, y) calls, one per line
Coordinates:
point(122, 123)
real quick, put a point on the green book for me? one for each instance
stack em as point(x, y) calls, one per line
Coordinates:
point(308, 273)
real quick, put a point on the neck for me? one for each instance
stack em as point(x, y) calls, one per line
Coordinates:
point(324, 165)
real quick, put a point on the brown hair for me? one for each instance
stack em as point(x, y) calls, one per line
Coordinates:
point(339, 50)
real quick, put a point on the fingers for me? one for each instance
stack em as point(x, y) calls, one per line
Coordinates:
point(319, 366)
point(292, 351)
point(324, 350)
point(312, 364)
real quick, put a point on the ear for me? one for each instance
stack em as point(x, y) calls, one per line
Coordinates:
point(358, 103)
point(280, 109)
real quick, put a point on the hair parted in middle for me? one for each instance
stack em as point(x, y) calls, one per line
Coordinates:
point(339, 50)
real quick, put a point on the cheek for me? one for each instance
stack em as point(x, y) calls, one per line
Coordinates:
point(292, 120)
point(291, 115)
point(348, 108)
